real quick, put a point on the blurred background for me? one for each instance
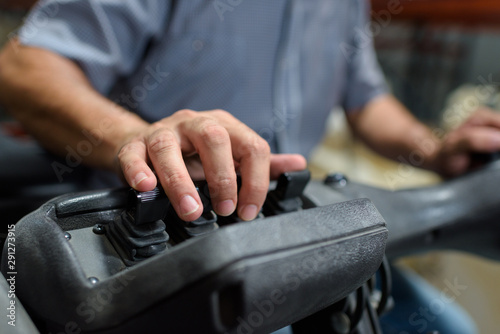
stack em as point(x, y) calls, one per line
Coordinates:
point(441, 59)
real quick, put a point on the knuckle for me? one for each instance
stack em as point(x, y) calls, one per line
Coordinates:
point(212, 133)
point(188, 113)
point(128, 167)
point(157, 126)
point(130, 151)
point(221, 113)
point(162, 140)
point(173, 178)
point(257, 187)
point(221, 184)
point(215, 135)
point(223, 180)
point(126, 149)
point(255, 147)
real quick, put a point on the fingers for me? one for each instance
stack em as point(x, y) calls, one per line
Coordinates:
point(484, 117)
point(476, 139)
point(252, 155)
point(213, 144)
point(132, 158)
point(166, 156)
point(221, 142)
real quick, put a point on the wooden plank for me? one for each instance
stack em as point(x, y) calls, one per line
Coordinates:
point(472, 12)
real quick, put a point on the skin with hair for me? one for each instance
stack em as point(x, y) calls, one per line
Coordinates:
point(54, 101)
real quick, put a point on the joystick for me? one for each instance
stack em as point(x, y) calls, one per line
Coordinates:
point(182, 230)
point(139, 232)
point(287, 196)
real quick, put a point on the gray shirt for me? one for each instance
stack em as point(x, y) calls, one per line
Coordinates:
point(279, 66)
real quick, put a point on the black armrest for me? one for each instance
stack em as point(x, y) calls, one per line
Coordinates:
point(265, 274)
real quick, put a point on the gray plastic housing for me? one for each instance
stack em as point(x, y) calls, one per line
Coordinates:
point(258, 275)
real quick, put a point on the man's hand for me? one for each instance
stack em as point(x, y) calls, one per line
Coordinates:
point(54, 100)
point(479, 134)
point(224, 146)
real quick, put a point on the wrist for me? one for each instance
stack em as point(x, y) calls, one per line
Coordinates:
point(426, 149)
point(433, 160)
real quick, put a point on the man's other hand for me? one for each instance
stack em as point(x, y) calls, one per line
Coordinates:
point(478, 134)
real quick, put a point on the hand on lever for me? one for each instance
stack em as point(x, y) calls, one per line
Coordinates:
point(212, 143)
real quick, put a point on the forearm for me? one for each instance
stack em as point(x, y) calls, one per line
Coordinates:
point(52, 98)
point(391, 130)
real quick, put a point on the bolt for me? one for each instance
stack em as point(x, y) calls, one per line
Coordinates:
point(336, 180)
point(93, 280)
point(98, 229)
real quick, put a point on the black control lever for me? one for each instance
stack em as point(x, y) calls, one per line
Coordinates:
point(148, 206)
point(139, 232)
point(206, 223)
point(287, 196)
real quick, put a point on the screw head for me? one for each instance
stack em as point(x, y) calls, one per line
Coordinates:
point(93, 280)
point(98, 229)
point(336, 180)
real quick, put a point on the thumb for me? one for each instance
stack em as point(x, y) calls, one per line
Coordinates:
point(281, 163)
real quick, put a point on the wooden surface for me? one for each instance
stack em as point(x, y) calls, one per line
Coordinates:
point(471, 12)
point(16, 4)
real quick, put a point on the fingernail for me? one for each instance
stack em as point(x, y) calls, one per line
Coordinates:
point(225, 208)
point(249, 212)
point(139, 178)
point(188, 205)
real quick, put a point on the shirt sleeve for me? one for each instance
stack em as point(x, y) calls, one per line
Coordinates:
point(365, 79)
point(107, 39)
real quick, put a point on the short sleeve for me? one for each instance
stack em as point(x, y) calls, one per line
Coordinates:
point(365, 79)
point(106, 38)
